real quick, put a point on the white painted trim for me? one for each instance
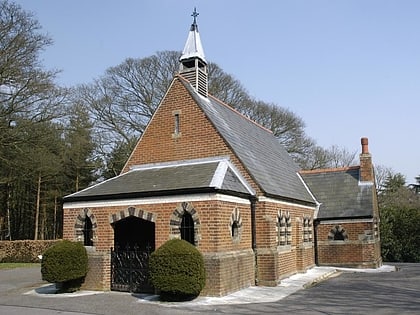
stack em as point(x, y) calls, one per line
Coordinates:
point(365, 183)
point(241, 178)
point(219, 174)
point(340, 221)
point(318, 204)
point(155, 200)
point(267, 199)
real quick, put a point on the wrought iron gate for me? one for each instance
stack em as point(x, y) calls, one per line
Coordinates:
point(130, 270)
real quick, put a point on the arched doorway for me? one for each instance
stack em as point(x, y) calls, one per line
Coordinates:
point(134, 241)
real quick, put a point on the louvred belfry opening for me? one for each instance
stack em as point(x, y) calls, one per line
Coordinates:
point(193, 63)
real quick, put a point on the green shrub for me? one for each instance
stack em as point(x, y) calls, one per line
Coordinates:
point(177, 270)
point(66, 264)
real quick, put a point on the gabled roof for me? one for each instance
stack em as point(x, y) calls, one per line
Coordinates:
point(340, 193)
point(194, 176)
point(257, 148)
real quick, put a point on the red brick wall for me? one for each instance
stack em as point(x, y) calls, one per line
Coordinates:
point(214, 224)
point(361, 249)
point(198, 139)
point(228, 272)
point(99, 274)
point(275, 262)
point(214, 237)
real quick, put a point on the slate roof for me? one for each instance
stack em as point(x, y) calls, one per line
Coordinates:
point(203, 175)
point(340, 193)
point(260, 152)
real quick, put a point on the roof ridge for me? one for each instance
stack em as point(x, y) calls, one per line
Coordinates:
point(330, 170)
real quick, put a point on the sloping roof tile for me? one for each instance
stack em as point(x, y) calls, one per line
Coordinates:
point(261, 153)
point(340, 193)
point(168, 177)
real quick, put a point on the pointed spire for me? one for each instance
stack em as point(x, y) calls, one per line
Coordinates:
point(193, 63)
point(193, 47)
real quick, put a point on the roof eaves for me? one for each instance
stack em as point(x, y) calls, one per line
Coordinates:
point(291, 200)
point(360, 217)
point(143, 194)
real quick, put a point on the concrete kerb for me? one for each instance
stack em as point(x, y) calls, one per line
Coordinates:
point(261, 294)
point(50, 290)
point(254, 294)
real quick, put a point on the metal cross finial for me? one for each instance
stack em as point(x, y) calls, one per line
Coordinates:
point(195, 14)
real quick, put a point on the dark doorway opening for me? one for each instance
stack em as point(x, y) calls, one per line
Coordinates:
point(134, 241)
point(133, 232)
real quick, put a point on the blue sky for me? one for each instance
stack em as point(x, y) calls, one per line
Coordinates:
point(349, 69)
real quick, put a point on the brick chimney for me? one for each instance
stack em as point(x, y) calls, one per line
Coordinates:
point(366, 166)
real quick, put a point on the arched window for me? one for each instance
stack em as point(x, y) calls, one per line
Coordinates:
point(185, 223)
point(85, 227)
point(337, 233)
point(87, 232)
point(235, 225)
point(187, 228)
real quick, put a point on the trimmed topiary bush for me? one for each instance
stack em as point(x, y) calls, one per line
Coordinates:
point(66, 265)
point(177, 271)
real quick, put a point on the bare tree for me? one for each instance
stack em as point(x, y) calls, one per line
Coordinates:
point(123, 100)
point(316, 158)
point(27, 91)
point(382, 174)
point(341, 157)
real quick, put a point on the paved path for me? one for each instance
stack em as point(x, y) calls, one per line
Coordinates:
point(385, 292)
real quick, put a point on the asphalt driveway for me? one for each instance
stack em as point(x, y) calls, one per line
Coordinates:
point(345, 293)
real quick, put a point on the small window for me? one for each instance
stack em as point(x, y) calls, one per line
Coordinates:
point(284, 225)
point(235, 225)
point(307, 229)
point(177, 124)
point(87, 232)
point(187, 228)
point(338, 236)
point(235, 229)
point(282, 230)
point(176, 130)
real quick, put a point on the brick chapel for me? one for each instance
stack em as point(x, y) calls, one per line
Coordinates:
point(205, 173)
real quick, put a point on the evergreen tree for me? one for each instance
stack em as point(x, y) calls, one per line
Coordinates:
point(400, 213)
point(80, 165)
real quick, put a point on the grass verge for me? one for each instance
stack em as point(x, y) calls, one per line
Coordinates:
point(18, 265)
